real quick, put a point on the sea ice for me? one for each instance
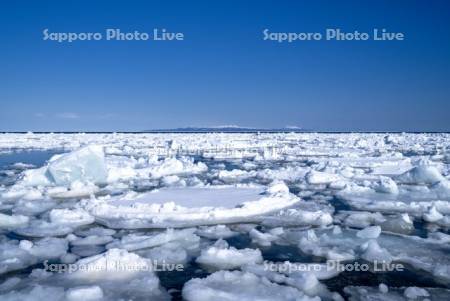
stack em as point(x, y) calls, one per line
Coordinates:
point(369, 232)
point(133, 242)
point(88, 293)
point(13, 221)
point(221, 256)
point(181, 207)
point(86, 165)
point(336, 196)
point(236, 285)
point(215, 232)
point(304, 277)
point(17, 255)
point(265, 239)
point(421, 174)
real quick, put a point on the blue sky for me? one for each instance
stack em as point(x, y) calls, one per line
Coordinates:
point(223, 72)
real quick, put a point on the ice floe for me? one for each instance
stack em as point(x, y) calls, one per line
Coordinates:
point(16, 255)
point(221, 256)
point(86, 164)
point(236, 285)
point(182, 207)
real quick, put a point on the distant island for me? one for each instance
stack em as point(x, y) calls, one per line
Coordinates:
point(227, 129)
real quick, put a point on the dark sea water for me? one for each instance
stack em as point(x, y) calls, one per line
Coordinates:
point(35, 157)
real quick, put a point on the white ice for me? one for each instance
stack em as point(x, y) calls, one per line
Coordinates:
point(236, 285)
point(181, 207)
point(221, 256)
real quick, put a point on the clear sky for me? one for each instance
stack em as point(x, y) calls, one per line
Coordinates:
point(224, 73)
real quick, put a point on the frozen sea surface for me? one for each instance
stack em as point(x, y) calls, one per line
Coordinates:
point(109, 216)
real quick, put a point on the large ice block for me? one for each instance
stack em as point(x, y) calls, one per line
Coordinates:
point(86, 165)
